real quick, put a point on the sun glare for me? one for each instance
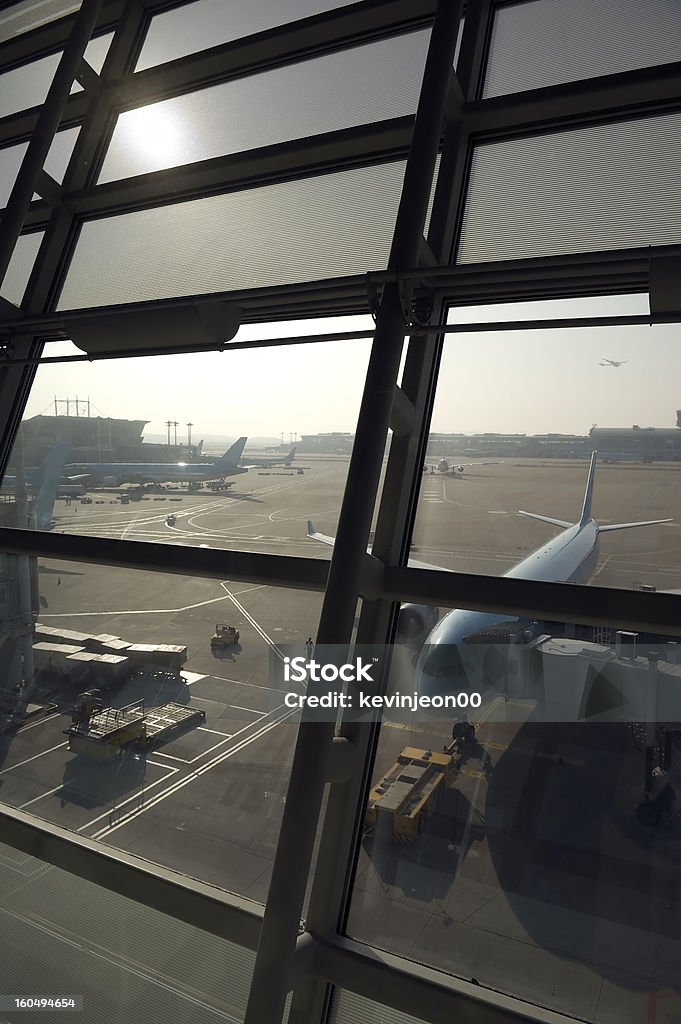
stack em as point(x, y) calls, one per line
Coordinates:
point(153, 134)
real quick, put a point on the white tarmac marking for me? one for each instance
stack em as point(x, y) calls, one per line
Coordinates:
point(215, 732)
point(41, 754)
point(172, 789)
point(238, 707)
point(149, 611)
point(100, 817)
point(41, 797)
point(171, 757)
point(47, 718)
point(261, 632)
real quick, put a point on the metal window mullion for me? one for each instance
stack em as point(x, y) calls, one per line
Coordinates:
point(45, 129)
point(253, 567)
point(424, 992)
point(332, 886)
point(185, 899)
point(329, 152)
point(15, 382)
point(61, 234)
point(272, 976)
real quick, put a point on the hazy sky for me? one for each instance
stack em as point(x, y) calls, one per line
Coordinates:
point(511, 382)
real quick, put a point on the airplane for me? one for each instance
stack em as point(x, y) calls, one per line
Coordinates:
point(570, 557)
point(250, 462)
point(612, 362)
point(444, 466)
point(115, 473)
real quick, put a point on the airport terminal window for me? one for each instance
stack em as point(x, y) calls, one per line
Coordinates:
point(519, 843)
point(198, 26)
point(150, 719)
point(339, 90)
point(606, 186)
point(545, 42)
point(324, 226)
point(121, 960)
point(548, 398)
point(113, 464)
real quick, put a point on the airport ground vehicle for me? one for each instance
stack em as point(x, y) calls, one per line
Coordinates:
point(170, 520)
point(224, 636)
point(409, 792)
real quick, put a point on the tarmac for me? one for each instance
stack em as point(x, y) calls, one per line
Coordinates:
point(534, 878)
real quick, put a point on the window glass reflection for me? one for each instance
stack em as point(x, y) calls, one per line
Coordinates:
point(138, 709)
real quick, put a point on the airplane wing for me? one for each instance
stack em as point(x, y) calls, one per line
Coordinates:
point(413, 563)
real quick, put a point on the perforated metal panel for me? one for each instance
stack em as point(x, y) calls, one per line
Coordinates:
point(546, 42)
point(350, 1008)
point(340, 90)
point(207, 23)
point(304, 230)
point(27, 86)
point(20, 267)
point(30, 14)
point(605, 187)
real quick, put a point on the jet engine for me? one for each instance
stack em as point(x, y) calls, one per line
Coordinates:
point(415, 622)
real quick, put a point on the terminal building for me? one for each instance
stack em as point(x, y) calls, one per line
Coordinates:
point(172, 171)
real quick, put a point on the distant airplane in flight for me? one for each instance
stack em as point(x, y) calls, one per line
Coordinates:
point(612, 362)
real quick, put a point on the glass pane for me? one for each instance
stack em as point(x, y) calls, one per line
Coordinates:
point(201, 25)
point(551, 397)
point(55, 164)
point(604, 187)
point(547, 42)
point(23, 17)
point(66, 937)
point(27, 86)
point(122, 469)
point(183, 754)
point(20, 267)
point(340, 90)
point(319, 227)
point(528, 843)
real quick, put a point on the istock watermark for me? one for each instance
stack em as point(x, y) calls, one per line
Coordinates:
point(325, 682)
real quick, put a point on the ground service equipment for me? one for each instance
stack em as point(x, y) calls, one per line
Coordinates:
point(409, 793)
point(224, 636)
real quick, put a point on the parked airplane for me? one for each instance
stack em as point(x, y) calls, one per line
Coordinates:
point(612, 362)
point(571, 557)
point(251, 462)
point(115, 473)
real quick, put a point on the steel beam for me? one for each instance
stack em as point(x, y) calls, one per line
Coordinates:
point(343, 818)
point(427, 994)
point(212, 563)
point(272, 975)
point(196, 903)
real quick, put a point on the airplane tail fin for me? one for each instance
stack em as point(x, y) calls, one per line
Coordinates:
point(589, 492)
point(232, 455)
point(291, 455)
point(44, 502)
point(585, 515)
point(199, 449)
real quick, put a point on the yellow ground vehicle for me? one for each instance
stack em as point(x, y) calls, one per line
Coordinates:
point(224, 636)
point(409, 792)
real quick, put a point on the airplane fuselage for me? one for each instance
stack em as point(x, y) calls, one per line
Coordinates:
point(122, 472)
